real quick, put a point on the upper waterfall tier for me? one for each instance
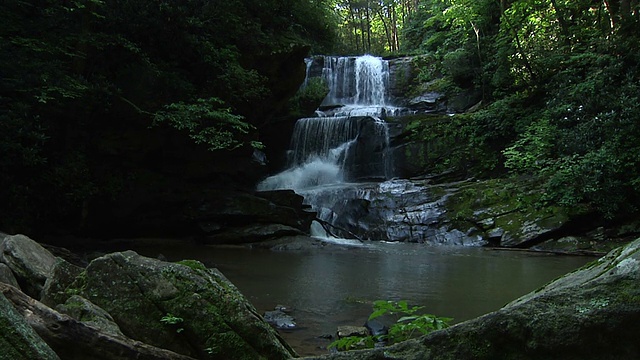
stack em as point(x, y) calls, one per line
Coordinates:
point(361, 81)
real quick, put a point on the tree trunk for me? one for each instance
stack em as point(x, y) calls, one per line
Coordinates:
point(520, 49)
point(386, 27)
point(625, 9)
point(564, 29)
point(368, 13)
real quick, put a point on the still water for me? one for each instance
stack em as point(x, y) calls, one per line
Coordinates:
point(336, 285)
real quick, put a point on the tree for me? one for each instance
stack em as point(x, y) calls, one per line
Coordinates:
point(72, 68)
point(559, 80)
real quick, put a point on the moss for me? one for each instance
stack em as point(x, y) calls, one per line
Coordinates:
point(18, 340)
point(193, 264)
point(78, 286)
point(220, 345)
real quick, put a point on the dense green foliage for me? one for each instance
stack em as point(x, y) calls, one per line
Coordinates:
point(559, 82)
point(558, 79)
point(72, 70)
point(408, 324)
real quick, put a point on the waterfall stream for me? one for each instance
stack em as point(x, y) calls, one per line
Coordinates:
point(340, 161)
point(344, 146)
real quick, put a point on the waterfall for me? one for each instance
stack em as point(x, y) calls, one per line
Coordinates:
point(372, 79)
point(332, 150)
point(346, 144)
point(308, 62)
point(359, 80)
point(329, 150)
point(341, 163)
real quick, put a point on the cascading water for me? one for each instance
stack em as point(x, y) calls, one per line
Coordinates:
point(340, 162)
point(329, 150)
point(357, 87)
point(356, 81)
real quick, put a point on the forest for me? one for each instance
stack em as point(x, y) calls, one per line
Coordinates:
point(559, 82)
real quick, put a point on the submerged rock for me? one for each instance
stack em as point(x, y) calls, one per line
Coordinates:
point(280, 319)
point(349, 330)
point(591, 313)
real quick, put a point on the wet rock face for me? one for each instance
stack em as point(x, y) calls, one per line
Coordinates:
point(402, 76)
point(368, 158)
point(280, 319)
point(592, 313)
point(395, 210)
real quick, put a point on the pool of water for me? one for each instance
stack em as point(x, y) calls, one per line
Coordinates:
point(336, 285)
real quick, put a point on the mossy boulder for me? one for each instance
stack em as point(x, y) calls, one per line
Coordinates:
point(506, 213)
point(29, 262)
point(85, 311)
point(183, 307)
point(591, 313)
point(63, 281)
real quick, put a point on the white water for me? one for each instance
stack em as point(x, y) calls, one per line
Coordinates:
point(322, 148)
point(359, 85)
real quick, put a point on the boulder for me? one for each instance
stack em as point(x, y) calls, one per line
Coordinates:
point(6, 276)
point(84, 310)
point(63, 277)
point(29, 261)
point(183, 307)
point(239, 217)
point(18, 341)
point(591, 313)
point(251, 234)
point(429, 101)
point(494, 210)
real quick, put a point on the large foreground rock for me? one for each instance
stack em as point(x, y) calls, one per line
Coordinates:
point(592, 313)
point(125, 306)
point(205, 316)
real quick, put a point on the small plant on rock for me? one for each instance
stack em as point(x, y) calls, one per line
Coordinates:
point(408, 324)
point(170, 319)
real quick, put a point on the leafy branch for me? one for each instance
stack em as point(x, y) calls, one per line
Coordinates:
point(206, 122)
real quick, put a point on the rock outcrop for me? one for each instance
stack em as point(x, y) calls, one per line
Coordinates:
point(591, 313)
